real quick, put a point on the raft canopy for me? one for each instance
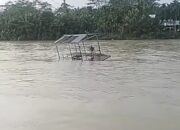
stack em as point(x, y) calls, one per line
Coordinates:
point(72, 39)
point(77, 48)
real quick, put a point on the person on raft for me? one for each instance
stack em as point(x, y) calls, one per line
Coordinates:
point(92, 52)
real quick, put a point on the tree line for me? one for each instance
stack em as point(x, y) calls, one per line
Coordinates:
point(113, 19)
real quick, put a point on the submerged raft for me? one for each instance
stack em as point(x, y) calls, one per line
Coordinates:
point(79, 49)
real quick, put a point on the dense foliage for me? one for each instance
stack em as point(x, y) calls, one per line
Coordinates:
point(121, 19)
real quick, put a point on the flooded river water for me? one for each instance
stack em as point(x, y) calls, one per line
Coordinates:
point(137, 89)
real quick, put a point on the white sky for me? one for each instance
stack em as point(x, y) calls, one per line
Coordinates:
point(76, 3)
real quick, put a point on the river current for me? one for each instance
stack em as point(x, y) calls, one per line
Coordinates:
point(138, 88)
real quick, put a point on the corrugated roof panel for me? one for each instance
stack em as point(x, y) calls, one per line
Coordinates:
point(75, 38)
point(79, 38)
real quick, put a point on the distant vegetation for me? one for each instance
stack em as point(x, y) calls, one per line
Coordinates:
point(115, 19)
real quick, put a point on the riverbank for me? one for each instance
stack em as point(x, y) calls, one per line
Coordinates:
point(112, 36)
point(150, 36)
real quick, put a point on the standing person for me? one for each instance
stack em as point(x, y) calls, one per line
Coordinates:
point(92, 52)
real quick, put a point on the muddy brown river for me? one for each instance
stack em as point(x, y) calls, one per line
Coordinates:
point(137, 89)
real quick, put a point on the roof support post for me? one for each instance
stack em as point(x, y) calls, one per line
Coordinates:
point(58, 52)
point(98, 44)
point(80, 52)
point(70, 51)
point(84, 50)
point(75, 47)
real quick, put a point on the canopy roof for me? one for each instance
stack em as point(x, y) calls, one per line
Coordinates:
point(72, 38)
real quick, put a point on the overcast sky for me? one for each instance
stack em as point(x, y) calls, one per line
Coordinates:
point(75, 3)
